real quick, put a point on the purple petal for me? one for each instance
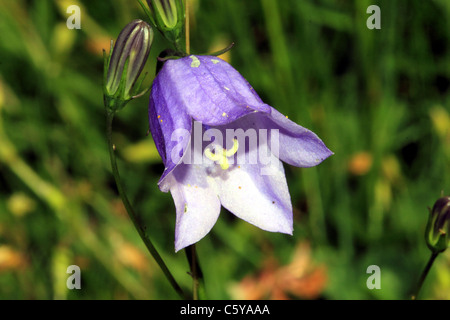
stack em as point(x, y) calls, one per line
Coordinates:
point(254, 188)
point(196, 202)
point(262, 200)
point(298, 146)
point(170, 126)
point(209, 89)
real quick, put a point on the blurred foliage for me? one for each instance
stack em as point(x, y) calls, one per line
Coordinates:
point(378, 98)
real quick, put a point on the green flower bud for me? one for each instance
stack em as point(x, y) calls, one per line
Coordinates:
point(168, 17)
point(126, 61)
point(437, 233)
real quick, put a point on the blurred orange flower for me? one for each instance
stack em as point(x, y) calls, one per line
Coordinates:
point(360, 163)
point(300, 279)
point(11, 259)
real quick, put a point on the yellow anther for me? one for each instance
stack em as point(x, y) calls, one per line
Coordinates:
point(231, 152)
point(221, 155)
point(224, 164)
point(212, 156)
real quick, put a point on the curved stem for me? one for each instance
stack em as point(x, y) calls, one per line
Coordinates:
point(198, 291)
point(424, 275)
point(134, 218)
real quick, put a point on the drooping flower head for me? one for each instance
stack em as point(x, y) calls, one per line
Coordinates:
point(223, 146)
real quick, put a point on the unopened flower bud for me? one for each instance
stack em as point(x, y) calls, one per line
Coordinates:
point(168, 17)
point(438, 228)
point(126, 61)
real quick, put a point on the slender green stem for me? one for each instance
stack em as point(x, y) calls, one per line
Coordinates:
point(424, 275)
point(134, 218)
point(187, 28)
point(196, 272)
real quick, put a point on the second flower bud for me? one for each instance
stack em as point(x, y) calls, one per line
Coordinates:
point(168, 17)
point(126, 61)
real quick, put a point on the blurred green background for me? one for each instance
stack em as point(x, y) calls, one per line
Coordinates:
point(378, 98)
